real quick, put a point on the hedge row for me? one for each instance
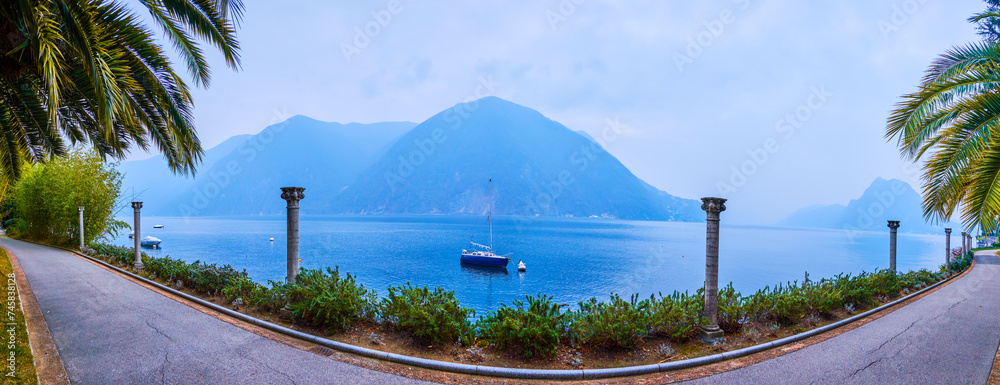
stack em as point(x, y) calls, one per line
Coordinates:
point(536, 326)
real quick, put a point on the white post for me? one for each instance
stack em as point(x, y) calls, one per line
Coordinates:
point(81, 227)
point(136, 206)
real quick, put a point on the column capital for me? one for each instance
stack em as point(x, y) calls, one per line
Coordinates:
point(293, 194)
point(713, 206)
point(80, 208)
point(947, 230)
point(893, 225)
point(136, 205)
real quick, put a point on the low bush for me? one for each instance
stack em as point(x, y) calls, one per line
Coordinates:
point(534, 330)
point(432, 316)
point(676, 316)
point(618, 323)
point(732, 312)
point(327, 300)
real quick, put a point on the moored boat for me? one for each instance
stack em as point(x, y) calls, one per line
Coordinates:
point(150, 241)
point(485, 255)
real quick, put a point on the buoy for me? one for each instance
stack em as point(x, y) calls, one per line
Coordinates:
point(520, 266)
point(300, 260)
point(272, 239)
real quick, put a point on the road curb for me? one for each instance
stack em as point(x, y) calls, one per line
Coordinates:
point(515, 373)
point(49, 367)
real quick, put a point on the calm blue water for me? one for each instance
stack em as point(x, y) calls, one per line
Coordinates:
point(570, 259)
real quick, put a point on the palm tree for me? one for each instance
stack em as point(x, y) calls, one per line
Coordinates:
point(89, 72)
point(952, 124)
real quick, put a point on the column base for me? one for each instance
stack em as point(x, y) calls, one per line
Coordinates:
point(710, 332)
point(286, 312)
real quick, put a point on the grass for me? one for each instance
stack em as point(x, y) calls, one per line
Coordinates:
point(15, 344)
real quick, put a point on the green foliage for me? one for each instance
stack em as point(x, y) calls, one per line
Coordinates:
point(431, 316)
point(948, 124)
point(46, 198)
point(121, 255)
point(731, 309)
point(253, 294)
point(532, 330)
point(677, 315)
point(618, 323)
point(537, 327)
point(327, 300)
point(92, 72)
point(961, 262)
point(200, 277)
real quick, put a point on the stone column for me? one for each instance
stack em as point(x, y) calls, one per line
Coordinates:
point(136, 206)
point(965, 246)
point(81, 227)
point(293, 195)
point(947, 248)
point(893, 225)
point(712, 207)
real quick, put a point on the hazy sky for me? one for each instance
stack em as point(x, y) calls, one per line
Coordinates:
point(704, 88)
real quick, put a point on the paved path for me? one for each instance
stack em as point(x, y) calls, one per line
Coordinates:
point(112, 331)
point(947, 337)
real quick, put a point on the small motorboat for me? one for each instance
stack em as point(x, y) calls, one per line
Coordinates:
point(272, 239)
point(157, 226)
point(131, 234)
point(150, 241)
point(520, 266)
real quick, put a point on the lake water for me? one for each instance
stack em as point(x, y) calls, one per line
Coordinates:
point(570, 259)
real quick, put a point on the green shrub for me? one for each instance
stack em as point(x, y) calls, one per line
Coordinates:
point(535, 330)
point(431, 316)
point(117, 254)
point(252, 293)
point(329, 301)
point(785, 304)
point(168, 268)
point(917, 279)
point(960, 262)
point(731, 309)
point(46, 197)
point(618, 323)
point(211, 278)
point(677, 316)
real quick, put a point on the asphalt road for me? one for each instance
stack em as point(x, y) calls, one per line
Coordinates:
point(111, 331)
point(948, 337)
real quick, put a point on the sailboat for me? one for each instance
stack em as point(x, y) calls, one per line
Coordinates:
point(485, 256)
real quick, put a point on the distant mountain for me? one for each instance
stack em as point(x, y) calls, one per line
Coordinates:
point(883, 200)
point(321, 156)
point(151, 181)
point(538, 167)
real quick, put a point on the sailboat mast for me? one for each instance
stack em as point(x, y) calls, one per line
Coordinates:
point(489, 186)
